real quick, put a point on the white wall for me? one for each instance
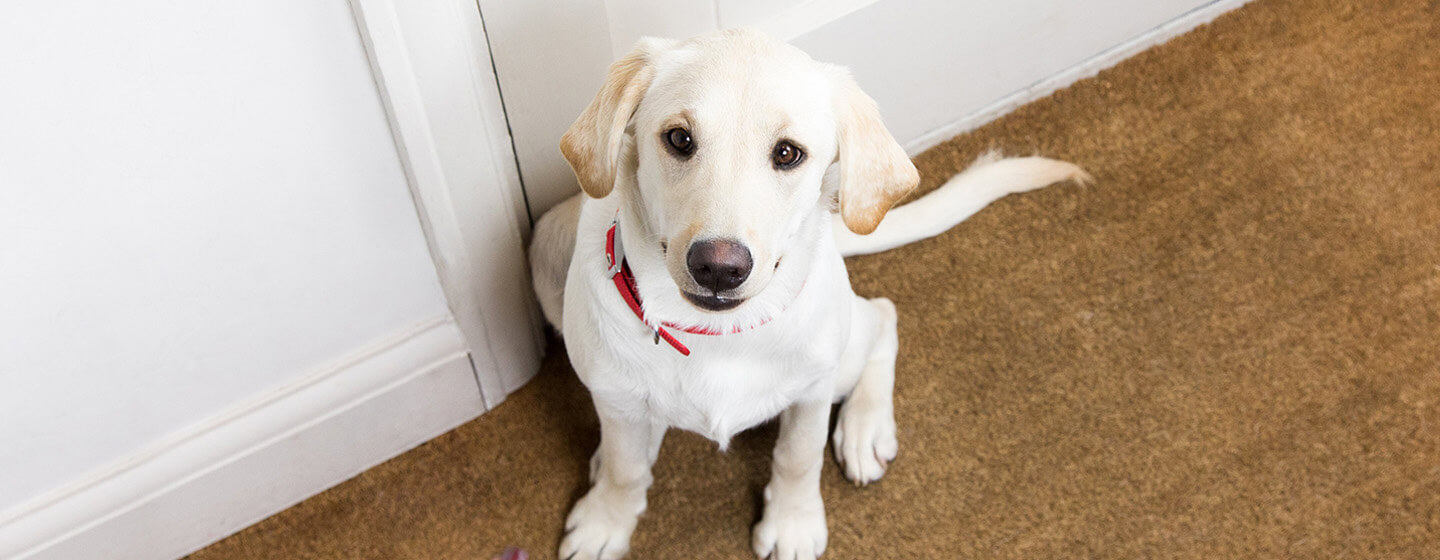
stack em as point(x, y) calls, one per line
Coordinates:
point(199, 203)
point(930, 63)
point(551, 56)
point(936, 67)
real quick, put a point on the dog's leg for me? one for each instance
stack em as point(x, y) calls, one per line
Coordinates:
point(657, 437)
point(600, 524)
point(864, 439)
point(793, 526)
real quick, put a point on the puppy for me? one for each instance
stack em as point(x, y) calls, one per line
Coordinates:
point(699, 283)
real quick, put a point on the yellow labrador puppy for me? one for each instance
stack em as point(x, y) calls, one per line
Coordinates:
point(698, 281)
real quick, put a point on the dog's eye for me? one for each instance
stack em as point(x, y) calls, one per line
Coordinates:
point(679, 141)
point(786, 155)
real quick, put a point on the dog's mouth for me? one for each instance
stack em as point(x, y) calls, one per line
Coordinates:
point(712, 303)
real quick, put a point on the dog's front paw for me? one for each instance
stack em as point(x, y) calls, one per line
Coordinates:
point(791, 531)
point(864, 439)
point(597, 529)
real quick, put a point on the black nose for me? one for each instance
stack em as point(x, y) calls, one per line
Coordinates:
point(719, 264)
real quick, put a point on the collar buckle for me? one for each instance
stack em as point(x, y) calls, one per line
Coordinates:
point(617, 252)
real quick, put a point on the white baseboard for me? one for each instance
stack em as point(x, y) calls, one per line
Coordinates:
point(240, 467)
point(1090, 67)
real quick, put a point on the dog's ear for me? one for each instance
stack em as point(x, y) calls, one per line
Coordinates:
point(593, 142)
point(875, 173)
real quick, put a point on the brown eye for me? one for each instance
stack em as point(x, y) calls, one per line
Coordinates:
point(679, 141)
point(786, 155)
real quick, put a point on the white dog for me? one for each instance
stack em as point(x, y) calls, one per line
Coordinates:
point(701, 285)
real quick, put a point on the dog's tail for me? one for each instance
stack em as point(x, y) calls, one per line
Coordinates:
point(985, 181)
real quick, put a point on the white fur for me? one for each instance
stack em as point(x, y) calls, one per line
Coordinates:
point(739, 93)
point(985, 181)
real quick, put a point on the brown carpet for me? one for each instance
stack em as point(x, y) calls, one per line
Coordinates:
point(1226, 348)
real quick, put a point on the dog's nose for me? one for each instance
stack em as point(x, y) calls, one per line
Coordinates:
point(719, 264)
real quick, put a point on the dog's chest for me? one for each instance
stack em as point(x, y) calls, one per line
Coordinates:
point(722, 394)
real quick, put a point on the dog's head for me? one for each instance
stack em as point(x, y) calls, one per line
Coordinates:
point(726, 139)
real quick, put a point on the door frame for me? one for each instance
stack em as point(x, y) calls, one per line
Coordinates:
point(433, 66)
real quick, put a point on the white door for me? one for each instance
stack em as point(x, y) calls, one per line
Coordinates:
point(936, 67)
point(247, 250)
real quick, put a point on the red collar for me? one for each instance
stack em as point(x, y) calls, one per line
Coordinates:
point(625, 284)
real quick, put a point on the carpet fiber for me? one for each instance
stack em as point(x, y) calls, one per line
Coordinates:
point(1228, 347)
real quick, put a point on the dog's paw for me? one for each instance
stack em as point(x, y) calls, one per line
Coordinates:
point(864, 439)
point(791, 532)
point(597, 530)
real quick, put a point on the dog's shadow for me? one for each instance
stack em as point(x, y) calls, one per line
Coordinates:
point(565, 407)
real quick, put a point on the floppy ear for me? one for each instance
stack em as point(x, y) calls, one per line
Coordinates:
point(593, 142)
point(875, 173)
